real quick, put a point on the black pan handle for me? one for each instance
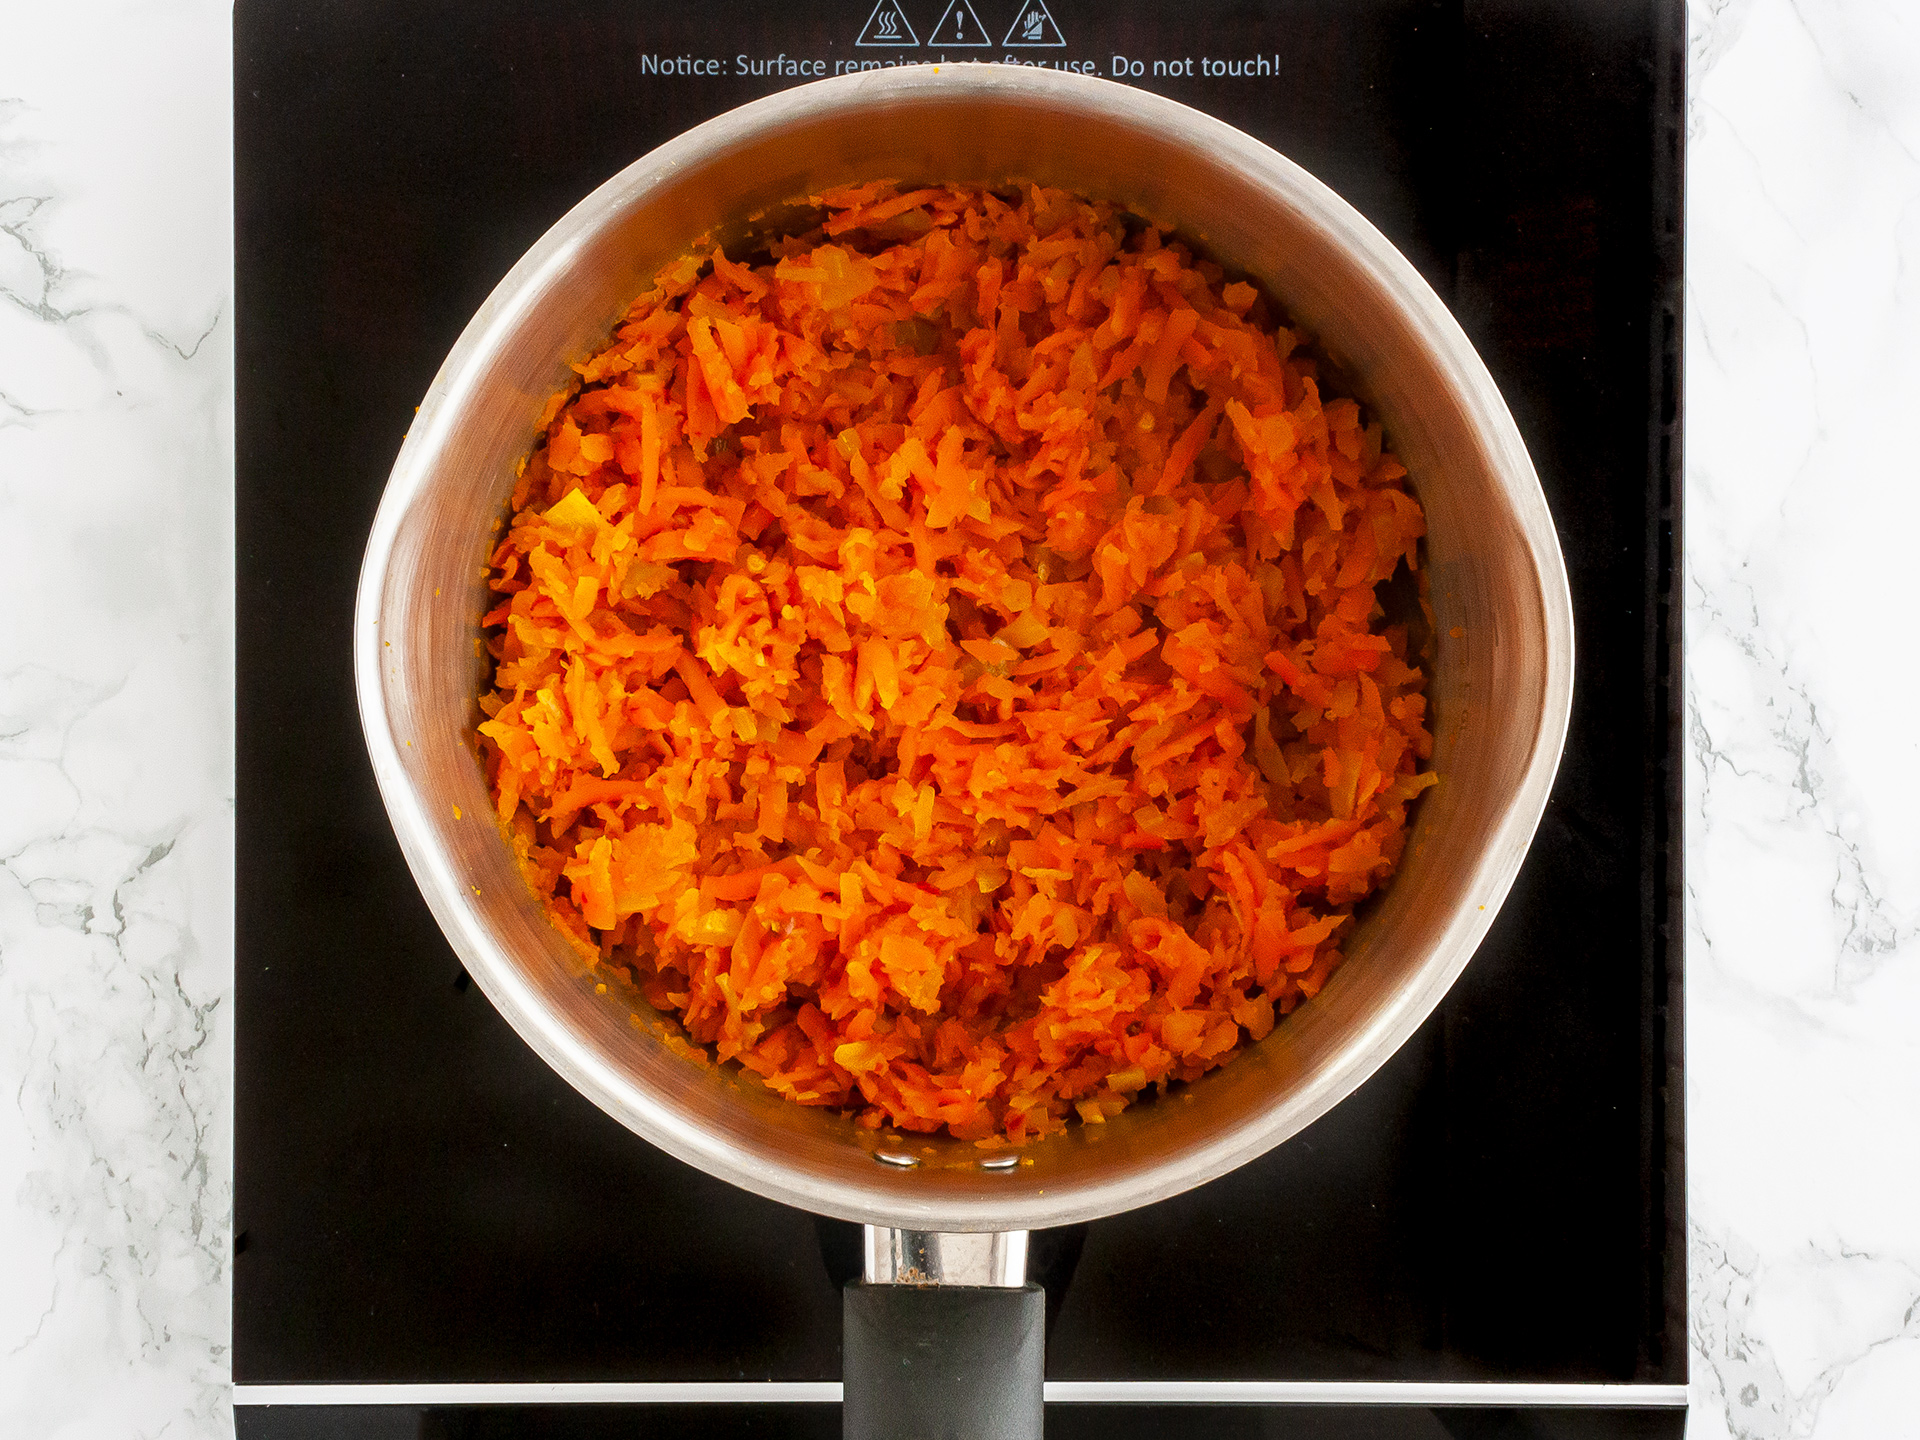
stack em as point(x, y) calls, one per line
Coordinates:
point(943, 1362)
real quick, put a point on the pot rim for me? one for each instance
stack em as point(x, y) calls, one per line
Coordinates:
point(511, 991)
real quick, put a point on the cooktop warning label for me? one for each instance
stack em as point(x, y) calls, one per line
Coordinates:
point(1033, 26)
point(959, 27)
point(1001, 32)
point(888, 27)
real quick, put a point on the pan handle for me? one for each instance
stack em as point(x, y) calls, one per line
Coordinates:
point(944, 1339)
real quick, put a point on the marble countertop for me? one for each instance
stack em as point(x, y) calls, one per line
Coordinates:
point(116, 728)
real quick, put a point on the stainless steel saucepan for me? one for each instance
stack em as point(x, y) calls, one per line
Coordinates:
point(943, 1334)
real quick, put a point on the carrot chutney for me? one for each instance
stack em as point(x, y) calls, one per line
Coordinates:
point(939, 660)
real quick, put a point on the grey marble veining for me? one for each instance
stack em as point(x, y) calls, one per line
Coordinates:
point(116, 834)
point(116, 734)
point(1803, 991)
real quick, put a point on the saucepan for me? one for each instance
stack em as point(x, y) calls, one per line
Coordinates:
point(943, 1332)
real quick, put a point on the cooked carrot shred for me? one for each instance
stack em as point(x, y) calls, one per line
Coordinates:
point(939, 658)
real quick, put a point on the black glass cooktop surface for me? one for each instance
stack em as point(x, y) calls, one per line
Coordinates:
point(419, 1198)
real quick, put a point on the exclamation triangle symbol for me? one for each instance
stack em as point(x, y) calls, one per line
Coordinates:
point(1034, 26)
point(887, 27)
point(959, 26)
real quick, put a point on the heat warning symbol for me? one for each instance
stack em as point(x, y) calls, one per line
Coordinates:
point(959, 26)
point(1033, 26)
point(888, 27)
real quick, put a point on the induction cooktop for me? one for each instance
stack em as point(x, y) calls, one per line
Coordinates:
point(435, 1235)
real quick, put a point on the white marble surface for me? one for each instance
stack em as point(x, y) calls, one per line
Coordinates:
point(116, 830)
point(1803, 987)
point(116, 833)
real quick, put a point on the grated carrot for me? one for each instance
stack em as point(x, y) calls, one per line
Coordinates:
point(940, 659)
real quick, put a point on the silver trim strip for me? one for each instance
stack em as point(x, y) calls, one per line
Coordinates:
point(1060, 1392)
